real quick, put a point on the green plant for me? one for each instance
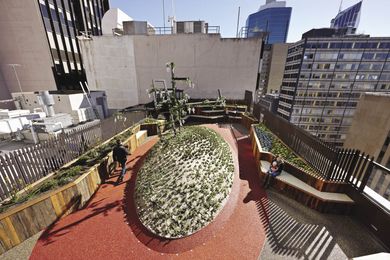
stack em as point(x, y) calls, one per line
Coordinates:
point(278, 148)
point(45, 186)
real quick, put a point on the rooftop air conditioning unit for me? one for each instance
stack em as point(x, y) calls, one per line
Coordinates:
point(199, 27)
point(180, 27)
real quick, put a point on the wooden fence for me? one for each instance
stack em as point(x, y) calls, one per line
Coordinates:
point(332, 164)
point(27, 165)
point(111, 127)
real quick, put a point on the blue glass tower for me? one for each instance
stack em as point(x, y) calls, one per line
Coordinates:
point(274, 18)
point(349, 18)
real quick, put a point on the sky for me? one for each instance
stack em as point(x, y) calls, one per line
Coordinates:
point(306, 14)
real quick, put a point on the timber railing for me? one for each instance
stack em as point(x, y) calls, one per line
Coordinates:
point(28, 165)
point(332, 164)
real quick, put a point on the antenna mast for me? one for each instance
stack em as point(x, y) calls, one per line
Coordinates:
point(163, 2)
point(238, 21)
point(341, 6)
point(173, 10)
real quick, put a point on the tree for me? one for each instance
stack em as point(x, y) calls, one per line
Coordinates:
point(174, 102)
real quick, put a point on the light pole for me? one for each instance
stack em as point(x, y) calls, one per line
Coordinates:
point(17, 78)
point(163, 2)
point(16, 75)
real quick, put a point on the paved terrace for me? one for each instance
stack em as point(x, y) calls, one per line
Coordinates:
point(254, 224)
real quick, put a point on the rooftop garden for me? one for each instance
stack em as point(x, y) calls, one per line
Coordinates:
point(184, 182)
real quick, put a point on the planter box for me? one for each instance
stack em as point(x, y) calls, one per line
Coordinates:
point(301, 195)
point(23, 221)
point(319, 184)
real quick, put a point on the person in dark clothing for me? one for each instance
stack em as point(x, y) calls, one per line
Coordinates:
point(120, 154)
point(275, 169)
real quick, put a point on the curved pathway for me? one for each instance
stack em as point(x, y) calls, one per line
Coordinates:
point(108, 227)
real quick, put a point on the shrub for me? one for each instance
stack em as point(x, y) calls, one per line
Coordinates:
point(272, 144)
point(45, 186)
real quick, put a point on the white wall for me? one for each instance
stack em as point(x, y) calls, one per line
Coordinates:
point(109, 63)
point(23, 41)
point(125, 66)
point(211, 63)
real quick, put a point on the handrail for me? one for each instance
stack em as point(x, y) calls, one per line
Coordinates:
point(387, 170)
point(163, 30)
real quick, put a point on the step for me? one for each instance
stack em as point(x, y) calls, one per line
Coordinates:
point(207, 117)
point(212, 111)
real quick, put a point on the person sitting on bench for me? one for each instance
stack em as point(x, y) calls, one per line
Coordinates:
point(275, 169)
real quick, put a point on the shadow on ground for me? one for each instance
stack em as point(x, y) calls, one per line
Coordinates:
point(295, 231)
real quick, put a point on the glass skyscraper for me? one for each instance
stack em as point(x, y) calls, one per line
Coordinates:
point(349, 18)
point(274, 18)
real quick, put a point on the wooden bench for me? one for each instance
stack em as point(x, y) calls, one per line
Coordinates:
point(306, 194)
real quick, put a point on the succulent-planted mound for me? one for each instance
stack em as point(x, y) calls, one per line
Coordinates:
point(184, 182)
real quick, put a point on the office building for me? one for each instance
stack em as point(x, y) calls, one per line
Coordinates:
point(370, 129)
point(272, 68)
point(348, 18)
point(274, 18)
point(370, 133)
point(39, 37)
point(325, 77)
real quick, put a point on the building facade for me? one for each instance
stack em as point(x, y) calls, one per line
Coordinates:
point(274, 18)
point(276, 67)
point(370, 129)
point(324, 79)
point(63, 21)
point(370, 133)
point(39, 37)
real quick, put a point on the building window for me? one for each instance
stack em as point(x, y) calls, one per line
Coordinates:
point(346, 45)
point(381, 56)
point(66, 69)
point(368, 56)
point(384, 45)
point(59, 40)
point(377, 66)
point(308, 56)
point(335, 45)
point(51, 40)
point(385, 77)
point(44, 10)
point(350, 56)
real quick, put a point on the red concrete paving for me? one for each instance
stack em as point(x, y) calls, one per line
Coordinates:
point(108, 227)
